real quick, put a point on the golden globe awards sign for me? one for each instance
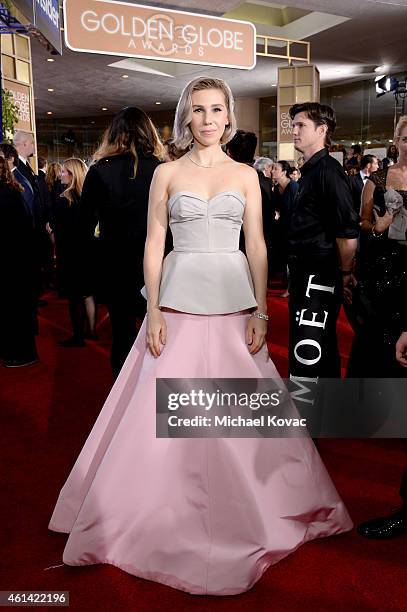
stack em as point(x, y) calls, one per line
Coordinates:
point(131, 30)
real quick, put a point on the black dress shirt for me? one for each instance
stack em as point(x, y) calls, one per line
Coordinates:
point(323, 209)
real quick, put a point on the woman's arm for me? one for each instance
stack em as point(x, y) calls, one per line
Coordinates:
point(157, 223)
point(370, 221)
point(257, 257)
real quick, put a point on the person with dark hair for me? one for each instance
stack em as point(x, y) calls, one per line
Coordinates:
point(368, 164)
point(322, 240)
point(46, 243)
point(11, 155)
point(295, 173)
point(115, 196)
point(242, 147)
point(17, 306)
point(352, 164)
point(285, 192)
point(392, 153)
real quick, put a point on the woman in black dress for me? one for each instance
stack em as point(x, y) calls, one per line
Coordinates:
point(18, 303)
point(115, 196)
point(382, 267)
point(72, 282)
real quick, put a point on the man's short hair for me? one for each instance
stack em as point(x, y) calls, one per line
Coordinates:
point(242, 147)
point(320, 114)
point(367, 159)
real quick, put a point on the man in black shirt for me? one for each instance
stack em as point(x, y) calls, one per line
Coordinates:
point(322, 235)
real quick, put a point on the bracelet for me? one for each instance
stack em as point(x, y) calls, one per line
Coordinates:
point(374, 233)
point(260, 315)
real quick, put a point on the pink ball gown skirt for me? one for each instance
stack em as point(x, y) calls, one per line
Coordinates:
point(204, 515)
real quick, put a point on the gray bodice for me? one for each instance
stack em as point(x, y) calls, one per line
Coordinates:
point(206, 273)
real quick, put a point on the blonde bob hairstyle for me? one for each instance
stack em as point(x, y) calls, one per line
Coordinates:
point(77, 169)
point(401, 124)
point(182, 136)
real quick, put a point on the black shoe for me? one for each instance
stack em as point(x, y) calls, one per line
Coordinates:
point(385, 527)
point(19, 363)
point(72, 342)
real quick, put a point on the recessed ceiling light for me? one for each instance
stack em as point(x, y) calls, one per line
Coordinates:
point(368, 142)
point(360, 142)
point(158, 102)
point(49, 112)
point(390, 140)
point(125, 76)
point(382, 68)
point(50, 89)
point(49, 59)
point(104, 108)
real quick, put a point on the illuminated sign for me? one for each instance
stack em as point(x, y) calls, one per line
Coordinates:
point(131, 30)
point(21, 97)
point(47, 21)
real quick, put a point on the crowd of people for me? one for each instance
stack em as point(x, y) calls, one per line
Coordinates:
point(334, 233)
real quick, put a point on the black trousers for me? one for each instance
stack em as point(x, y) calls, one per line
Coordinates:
point(125, 313)
point(315, 286)
point(18, 325)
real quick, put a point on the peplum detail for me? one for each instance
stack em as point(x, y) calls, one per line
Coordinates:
point(206, 273)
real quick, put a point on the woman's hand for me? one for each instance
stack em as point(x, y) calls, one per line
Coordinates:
point(256, 334)
point(401, 350)
point(382, 223)
point(156, 331)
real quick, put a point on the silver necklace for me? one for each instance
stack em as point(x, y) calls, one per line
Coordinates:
point(202, 165)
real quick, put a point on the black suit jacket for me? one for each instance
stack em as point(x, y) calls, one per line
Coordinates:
point(268, 207)
point(28, 194)
point(112, 197)
point(356, 183)
point(39, 206)
point(45, 196)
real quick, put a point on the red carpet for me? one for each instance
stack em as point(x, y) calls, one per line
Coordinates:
point(46, 413)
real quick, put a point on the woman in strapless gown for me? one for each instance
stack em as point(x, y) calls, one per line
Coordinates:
point(204, 515)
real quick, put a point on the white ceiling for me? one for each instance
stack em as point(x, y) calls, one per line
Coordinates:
point(349, 38)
